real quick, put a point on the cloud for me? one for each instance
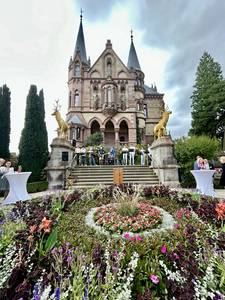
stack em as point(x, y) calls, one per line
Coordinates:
point(186, 29)
point(95, 10)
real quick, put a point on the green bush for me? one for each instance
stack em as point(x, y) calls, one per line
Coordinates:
point(33, 187)
point(186, 150)
point(94, 139)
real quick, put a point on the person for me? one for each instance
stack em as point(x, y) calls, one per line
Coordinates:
point(5, 184)
point(222, 178)
point(131, 155)
point(196, 163)
point(2, 172)
point(149, 152)
point(206, 164)
point(91, 156)
point(77, 153)
point(83, 156)
point(125, 153)
point(112, 155)
point(142, 151)
point(201, 165)
point(101, 153)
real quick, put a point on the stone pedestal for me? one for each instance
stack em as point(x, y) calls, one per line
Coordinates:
point(164, 163)
point(61, 157)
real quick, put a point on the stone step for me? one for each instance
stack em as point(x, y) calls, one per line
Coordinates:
point(90, 176)
point(109, 179)
point(87, 185)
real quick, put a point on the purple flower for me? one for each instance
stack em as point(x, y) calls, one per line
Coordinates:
point(177, 226)
point(154, 278)
point(54, 250)
point(164, 249)
point(69, 260)
point(57, 293)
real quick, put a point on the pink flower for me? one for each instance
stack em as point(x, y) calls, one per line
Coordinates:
point(138, 238)
point(176, 256)
point(163, 249)
point(126, 236)
point(154, 279)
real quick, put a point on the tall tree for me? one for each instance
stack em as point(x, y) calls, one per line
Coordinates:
point(33, 147)
point(204, 115)
point(5, 108)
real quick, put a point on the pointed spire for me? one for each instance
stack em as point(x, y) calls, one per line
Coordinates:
point(80, 43)
point(133, 62)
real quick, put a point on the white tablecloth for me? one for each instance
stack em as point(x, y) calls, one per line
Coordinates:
point(17, 187)
point(204, 181)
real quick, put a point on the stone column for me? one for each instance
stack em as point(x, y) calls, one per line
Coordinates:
point(116, 137)
point(61, 157)
point(164, 163)
point(103, 134)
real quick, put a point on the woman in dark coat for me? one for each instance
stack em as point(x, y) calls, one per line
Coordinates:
point(222, 178)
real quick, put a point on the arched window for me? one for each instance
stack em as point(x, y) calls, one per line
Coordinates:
point(145, 110)
point(109, 67)
point(109, 95)
point(70, 99)
point(78, 133)
point(77, 69)
point(76, 98)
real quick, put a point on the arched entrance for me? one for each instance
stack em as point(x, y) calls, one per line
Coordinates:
point(123, 132)
point(95, 127)
point(109, 134)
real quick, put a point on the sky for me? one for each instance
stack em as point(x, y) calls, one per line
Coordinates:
point(38, 37)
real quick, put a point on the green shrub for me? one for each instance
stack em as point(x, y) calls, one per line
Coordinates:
point(186, 150)
point(33, 187)
point(94, 139)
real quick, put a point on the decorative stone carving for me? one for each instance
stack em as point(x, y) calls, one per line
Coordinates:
point(110, 111)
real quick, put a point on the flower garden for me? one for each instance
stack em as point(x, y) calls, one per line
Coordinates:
point(113, 243)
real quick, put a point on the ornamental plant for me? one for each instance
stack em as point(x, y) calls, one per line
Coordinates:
point(127, 203)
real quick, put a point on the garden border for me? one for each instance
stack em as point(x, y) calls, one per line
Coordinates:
point(167, 223)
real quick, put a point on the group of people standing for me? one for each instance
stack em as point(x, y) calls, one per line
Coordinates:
point(201, 164)
point(122, 156)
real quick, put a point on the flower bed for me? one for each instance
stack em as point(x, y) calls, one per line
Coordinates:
point(147, 217)
point(50, 252)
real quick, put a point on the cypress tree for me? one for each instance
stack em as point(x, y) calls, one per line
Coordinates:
point(33, 147)
point(5, 104)
point(204, 113)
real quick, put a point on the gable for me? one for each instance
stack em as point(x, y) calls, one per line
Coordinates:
point(109, 65)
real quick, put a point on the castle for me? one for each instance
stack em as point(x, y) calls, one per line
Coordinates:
point(110, 97)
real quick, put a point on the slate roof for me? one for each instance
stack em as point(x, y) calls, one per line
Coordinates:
point(80, 44)
point(133, 62)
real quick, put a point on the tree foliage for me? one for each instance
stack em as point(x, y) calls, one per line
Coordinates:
point(206, 101)
point(33, 147)
point(5, 107)
point(187, 149)
point(94, 139)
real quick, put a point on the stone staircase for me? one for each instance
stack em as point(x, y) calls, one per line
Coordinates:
point(87, 176)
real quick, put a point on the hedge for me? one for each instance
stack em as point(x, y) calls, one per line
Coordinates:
point(33, 187)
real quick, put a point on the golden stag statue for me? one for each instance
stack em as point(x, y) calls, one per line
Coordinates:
point(160, 127)
point(63, 126)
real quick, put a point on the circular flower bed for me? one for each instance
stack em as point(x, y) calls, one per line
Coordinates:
point(146, 217)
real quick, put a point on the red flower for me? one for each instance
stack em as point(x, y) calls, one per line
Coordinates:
point(33, 228)
point(220, 209)
point(45, 224)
